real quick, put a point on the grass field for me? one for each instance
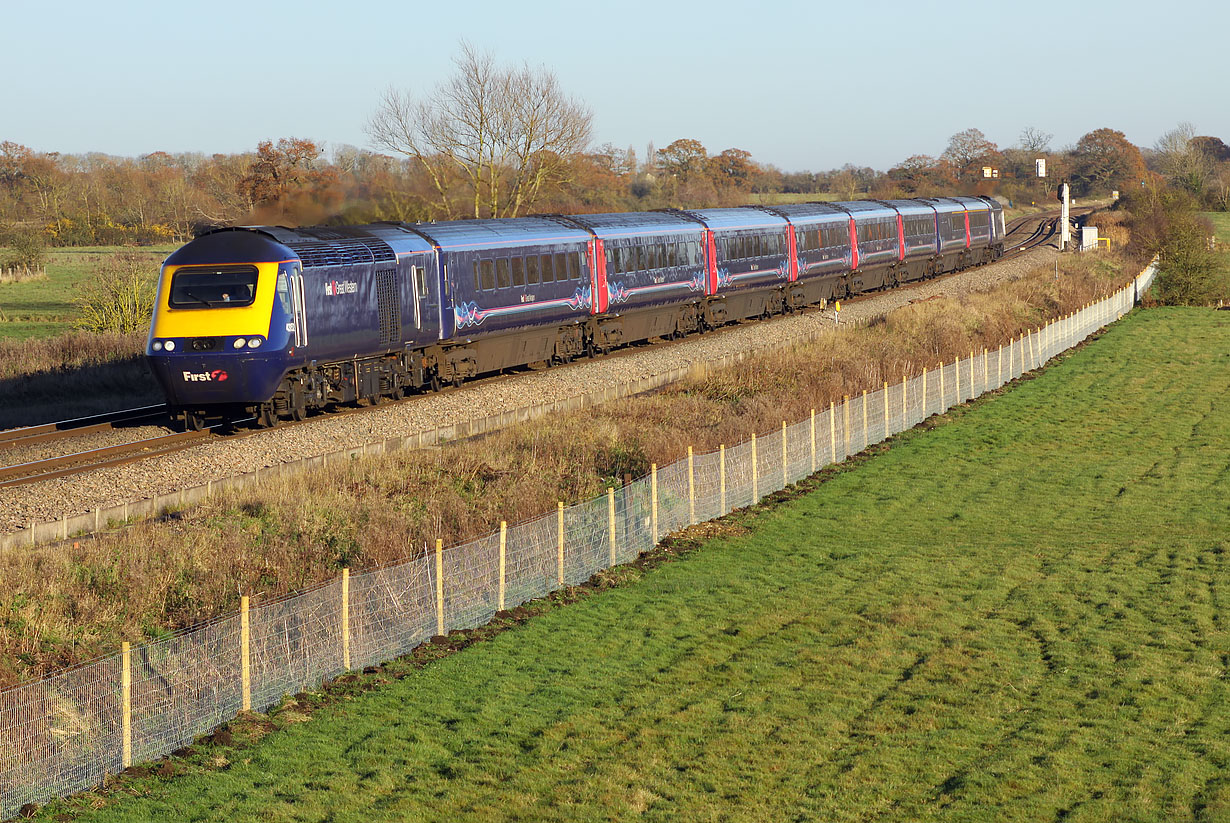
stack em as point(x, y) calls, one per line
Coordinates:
point(1221, 224)
point(1016, 616)
point(43, 308)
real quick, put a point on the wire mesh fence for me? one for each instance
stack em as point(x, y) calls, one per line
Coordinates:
point(66, 733)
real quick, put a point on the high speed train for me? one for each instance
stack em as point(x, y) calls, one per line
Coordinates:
point(273, 322)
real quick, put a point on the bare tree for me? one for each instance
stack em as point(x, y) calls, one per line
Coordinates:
point(1184, 162)
point(965, 148)
point(500, 136)
point(1035, 141)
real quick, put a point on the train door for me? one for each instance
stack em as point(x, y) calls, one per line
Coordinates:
point(297, 306)
point(424, 294)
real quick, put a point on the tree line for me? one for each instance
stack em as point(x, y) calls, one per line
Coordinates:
point(505, 141)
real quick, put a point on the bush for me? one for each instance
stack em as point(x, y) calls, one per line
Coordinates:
point(27, 248)
point(120, 298)
point(1165, 223)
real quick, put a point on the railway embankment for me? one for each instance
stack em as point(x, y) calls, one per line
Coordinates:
point(86, 503)
point(291, 531)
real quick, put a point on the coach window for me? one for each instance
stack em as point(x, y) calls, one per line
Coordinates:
point(672, 255)
point(502, 279)
point(574, 270)
point(487, 269)
point(561, 267)
point(518, 271)
point(548, 275)
point(531, 269)
point(651, 254)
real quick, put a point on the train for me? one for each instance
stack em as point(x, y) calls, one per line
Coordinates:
point(270, 323)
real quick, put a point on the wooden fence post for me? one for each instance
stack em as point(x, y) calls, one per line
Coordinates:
point(653, 506)
point(924, 394)
point(813, 441)
point(245, 654)
point(943, 391)
point(956, 376)
point(126, 702)
point(755, 474)
point(986, 369)
point(885, 390)
point(722, 475)
point(610, 509)
point(503, 560)
point(999, 367)
point(845, 424)
point(785, 477)
point(691, 489)
point(439, 586)
point(972, 379)
point(346, 619)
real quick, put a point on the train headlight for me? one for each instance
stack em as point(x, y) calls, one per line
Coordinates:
point(239, 343)
point(157, 345)
point(170, 345)
point(254, 343)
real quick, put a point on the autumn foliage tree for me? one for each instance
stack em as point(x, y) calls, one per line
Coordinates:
point(285, 182)
point(967, 151)
point(1104, 159)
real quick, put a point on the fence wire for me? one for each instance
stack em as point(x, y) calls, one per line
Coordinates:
point(66, 733)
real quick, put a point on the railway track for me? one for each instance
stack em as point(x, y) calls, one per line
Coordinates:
point(1022, 235)
point(47, 432)
point(80, 462)
point(1031, 231)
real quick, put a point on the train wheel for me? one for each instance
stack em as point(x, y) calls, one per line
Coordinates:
point(193, 421)
point(298, 403)
point(267, 416)
point(433, 382)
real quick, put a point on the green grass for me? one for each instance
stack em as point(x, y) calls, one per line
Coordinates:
point(1221, 224)
point(1015, 616)
point(44, 308)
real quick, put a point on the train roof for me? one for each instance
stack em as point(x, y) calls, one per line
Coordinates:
point(864, 207)
point(458, 235)
point(972, 202)
point(911, 206)
point(944, 204)
point(738, 218)
point(618, 224)
point(231, 246)
point(808, 212)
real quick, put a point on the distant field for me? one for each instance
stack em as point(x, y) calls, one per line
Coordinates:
point(779, 198)
point(1221, 228)
point(1015, 616)
point(44, 308)
point(1221, 224)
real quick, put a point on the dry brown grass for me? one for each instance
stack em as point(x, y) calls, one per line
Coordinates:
point(60, 606)
point(72, 375)
point(1112, 224)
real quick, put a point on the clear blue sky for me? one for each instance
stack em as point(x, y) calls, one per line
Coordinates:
point(804, 85)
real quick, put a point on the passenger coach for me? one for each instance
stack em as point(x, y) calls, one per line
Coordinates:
point(272, 322)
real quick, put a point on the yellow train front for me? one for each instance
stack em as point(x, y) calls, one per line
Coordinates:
point(223, 332)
